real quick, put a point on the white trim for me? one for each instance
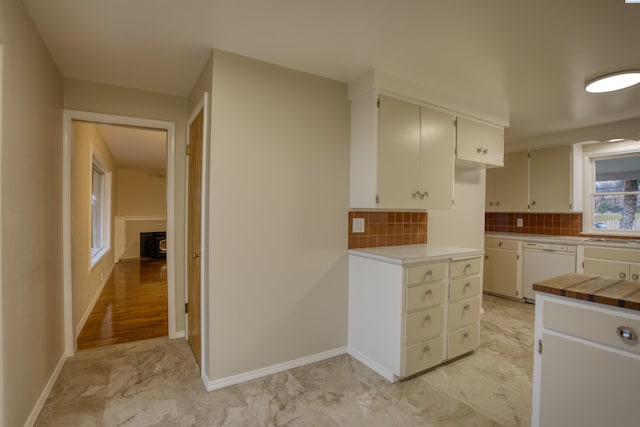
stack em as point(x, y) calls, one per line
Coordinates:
point(68, 117)
point(93, 302)
point(204, 252)
point(142, 218)
point(35, 412)
point(374, 366)
point(1, 286)
point(179, 334)
point(270, 370)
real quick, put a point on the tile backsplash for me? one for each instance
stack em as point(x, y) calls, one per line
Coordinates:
point(388, 229)
point(561, 224)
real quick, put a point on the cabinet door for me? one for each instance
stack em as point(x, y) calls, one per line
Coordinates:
point(585, 385)
point(492, 145)
point(501, 272)
point(634, 272)
point(437, 161)
point(611, 269)
point(398, 154)
point(490, 195)
point(468, 140)
point(550, 179)
point(512, 183)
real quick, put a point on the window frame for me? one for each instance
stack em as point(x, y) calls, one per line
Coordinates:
point(98, 252)
point(590, 157)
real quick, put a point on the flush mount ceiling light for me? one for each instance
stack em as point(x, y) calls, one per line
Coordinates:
point(614, 81)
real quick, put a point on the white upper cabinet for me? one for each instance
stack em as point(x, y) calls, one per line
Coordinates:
point(414, 163)
point(507, 187)
point(550, 179)
point(479, 144)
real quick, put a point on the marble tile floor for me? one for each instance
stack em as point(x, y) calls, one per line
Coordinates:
point(156, 383)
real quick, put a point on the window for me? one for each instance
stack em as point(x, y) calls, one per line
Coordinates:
point(613, 196)
point(100, 212)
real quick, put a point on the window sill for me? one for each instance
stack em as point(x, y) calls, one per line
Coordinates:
point(97, 256)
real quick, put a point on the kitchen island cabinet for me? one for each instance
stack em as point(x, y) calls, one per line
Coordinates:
point(586, 355)
point(412, 307)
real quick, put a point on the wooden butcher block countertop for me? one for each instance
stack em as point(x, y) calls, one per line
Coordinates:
point(619, 293)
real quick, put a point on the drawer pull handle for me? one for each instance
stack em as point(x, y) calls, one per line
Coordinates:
point(427, 349)
point(499, 244)
point(623, 275)
point(426, 294)
point(467, 307)
point(428, 274)
point(634, 276)
point(467, 267)
point(627, 334)
point(465, 335)
point(467, 285)
point(427, 318)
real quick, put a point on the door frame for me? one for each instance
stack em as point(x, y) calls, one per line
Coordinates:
point(202, 105)
point(67, 134)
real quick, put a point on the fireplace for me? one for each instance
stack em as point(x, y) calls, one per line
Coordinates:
point(153, 244)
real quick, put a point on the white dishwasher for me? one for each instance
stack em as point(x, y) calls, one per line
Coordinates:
point(544, 261)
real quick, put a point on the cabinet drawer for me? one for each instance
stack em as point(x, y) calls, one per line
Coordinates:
point(465, 287)
point(463, 341)
point(510, 245)
point(426, 273)
point(424, 324)
point(424, 355)
point(597, 326)
point(628, 255)
point(466, 267)
point(425, 296)
point(464, 313)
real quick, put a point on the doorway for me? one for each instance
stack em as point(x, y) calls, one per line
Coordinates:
point(112, 120)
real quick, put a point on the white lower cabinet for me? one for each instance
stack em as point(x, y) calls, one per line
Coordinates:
point(586, 373)
point(405, 319)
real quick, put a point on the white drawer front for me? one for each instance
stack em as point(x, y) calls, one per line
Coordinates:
point(593, 325)
point(422, 356)
point(424, 324)
point(466, 267)
point(511, 245)
point(463, 341)
point(464, 313)
point(426, 273)
point(425, 296)
point(465, 287)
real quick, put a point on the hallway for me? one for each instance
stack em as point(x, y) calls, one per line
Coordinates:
point(131, 307)
point(157, 382)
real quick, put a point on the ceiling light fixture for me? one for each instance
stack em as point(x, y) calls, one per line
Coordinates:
point(615, 140)
point(614, 81)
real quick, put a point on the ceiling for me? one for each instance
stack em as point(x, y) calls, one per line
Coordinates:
point(522, 62)
point(136, 148)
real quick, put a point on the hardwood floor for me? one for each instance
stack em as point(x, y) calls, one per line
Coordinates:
point(132, 305)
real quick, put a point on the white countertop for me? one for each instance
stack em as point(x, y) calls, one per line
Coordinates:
point(410, 254)
point(566, 240)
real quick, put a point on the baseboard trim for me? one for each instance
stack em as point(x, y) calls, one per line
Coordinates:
point(269, 370)
point(374, 366)
point(33, 416)
point(93, 302)
point(178, 334)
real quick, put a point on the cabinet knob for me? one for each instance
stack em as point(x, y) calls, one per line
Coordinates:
point(467, 307)
point(497, 203)
point(623, 275)
point(533, 203)
point(427, 349)
point(427, 293)
point(485, 150)
point(467, 267)
point(465, 335)
point(415, 195)
point(427, 318)
point(627, 334)
point(427, 275)
point(467, 285)
point(424, 195)
point(479, 150)
point(486, 257)
point(499, 244)
point(490, 203)
point(634, 276)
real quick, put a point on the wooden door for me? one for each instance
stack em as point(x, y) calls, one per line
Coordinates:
point(193, 233)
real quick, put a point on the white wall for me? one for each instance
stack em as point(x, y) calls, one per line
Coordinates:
point(31, 178)
point(101, 98)
point(278, 221)
point(464, 226)
point(86, 280)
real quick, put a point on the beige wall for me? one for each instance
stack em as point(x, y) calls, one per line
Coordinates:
point(31, 199)
point(278, 222)
point(87, 280)
point(101, 98)
point(464, 226)
point(141, 193)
